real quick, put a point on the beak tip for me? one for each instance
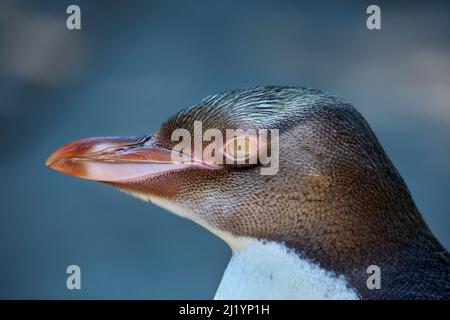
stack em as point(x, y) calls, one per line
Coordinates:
point(48, 162)
point(51, 160)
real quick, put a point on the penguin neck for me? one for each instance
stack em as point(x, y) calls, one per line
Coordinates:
point(269, 270)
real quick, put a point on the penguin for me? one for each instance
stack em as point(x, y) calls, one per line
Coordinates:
point(336, 220)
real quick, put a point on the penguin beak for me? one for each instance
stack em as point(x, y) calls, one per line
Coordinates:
point(115, 159)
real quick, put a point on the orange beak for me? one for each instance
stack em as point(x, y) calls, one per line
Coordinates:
point(116, 159)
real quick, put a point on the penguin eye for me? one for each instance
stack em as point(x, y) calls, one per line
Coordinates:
point(241, 148)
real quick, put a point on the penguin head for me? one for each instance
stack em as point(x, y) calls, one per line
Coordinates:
point(331, 190)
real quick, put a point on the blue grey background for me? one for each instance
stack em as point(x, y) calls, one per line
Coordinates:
point(133, 64)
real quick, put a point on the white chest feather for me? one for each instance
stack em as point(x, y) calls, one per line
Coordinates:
point(270, 271)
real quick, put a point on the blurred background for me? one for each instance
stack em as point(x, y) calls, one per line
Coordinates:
point(133, 64)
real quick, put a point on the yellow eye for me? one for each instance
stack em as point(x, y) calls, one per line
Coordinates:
point(241, 148)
